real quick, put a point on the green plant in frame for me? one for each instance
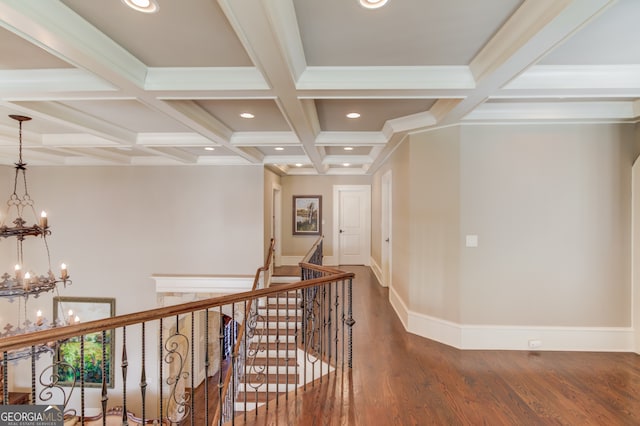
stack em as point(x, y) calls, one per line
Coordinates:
point(69, 359)
point(97, 347)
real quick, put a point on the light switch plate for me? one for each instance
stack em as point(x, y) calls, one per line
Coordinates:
point(472, 241)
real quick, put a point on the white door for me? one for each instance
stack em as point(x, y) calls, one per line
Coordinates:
point(385, 232)
point(352, 211)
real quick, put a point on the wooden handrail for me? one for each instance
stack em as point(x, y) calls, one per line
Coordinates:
point(66, 332)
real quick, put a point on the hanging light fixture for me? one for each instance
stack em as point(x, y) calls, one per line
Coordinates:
point(23, 282)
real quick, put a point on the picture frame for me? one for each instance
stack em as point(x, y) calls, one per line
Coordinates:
point(307, 214)
point(84, 309)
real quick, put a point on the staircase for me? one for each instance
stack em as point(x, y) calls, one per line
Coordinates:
point(272, 365)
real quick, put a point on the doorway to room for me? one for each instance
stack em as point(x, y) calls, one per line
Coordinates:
point(352, 224)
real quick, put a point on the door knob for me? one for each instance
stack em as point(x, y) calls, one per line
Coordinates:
point(386, 241)
point(341, 231)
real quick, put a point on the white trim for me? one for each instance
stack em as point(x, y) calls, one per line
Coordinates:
point(377, 271)
point(203, 283)
point(501, 337)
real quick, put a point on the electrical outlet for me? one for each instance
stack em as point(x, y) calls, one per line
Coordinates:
point(535, 343)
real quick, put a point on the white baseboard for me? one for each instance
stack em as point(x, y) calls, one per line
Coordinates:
point(496, 337)
point(377, 271)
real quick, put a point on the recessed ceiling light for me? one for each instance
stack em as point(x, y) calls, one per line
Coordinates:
point(348, 148)
point(346, 164)
point(145, 6)
point(353, 115)
point(372, 4)
point(298, 164)
point(209, 148)
point(279, 148)
point(247, 115)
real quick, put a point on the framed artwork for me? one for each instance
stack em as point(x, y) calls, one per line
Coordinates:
point(83, 309)
point(307, 214)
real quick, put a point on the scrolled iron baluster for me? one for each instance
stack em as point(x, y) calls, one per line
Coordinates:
point(54, 382)
point(82, 395)
point(177, 406)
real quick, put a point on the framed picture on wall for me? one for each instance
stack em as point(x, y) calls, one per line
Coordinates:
point(98, 347)
point(307, 214)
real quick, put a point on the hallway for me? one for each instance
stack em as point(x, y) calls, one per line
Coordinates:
point(402, 379)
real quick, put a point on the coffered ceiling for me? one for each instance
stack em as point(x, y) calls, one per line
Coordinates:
point(107, 85)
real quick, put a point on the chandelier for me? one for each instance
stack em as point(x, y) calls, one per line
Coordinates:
point(24, 282)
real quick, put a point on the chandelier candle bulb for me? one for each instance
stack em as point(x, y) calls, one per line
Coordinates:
point(43, 220)
point(63, 271)
point(18, 269)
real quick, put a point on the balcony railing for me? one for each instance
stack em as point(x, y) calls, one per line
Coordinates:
point(170, 362)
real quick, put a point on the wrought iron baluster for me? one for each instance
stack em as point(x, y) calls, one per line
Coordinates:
point(5, 378)
point(33, 374)
point(286, 356)
point(104, 397)
point(336, 326)
point(160, 351)
point(82, 373)
point(193, 363)
point(350, 322)
point(143, 375)
point(343, 322)
point(125, 365)
point(206, 366)
point(221, 420)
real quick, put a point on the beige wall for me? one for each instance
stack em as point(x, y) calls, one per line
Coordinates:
point(434, 223)
point(551, 206)
point(270, 180)
point(298, 245)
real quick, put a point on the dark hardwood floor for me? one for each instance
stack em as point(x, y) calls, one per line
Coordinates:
point(402, 379)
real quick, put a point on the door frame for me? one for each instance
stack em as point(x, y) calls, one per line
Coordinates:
point(386, 231)
point(366, 246)
point(276, 221)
